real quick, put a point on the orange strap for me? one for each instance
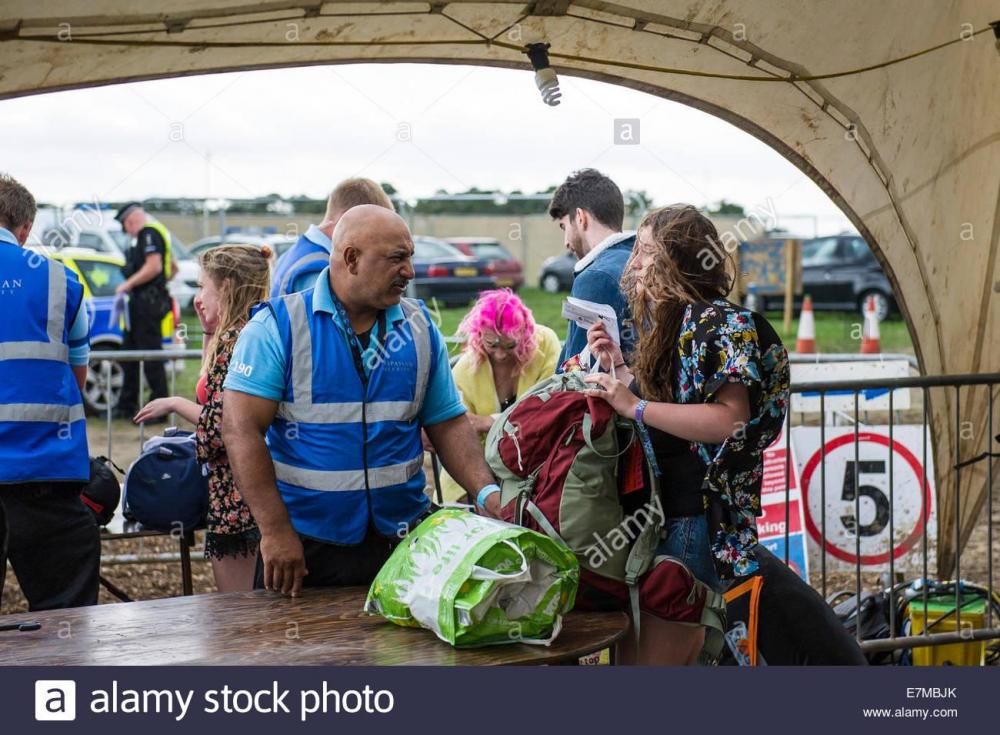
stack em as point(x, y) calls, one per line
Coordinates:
point(752, 585)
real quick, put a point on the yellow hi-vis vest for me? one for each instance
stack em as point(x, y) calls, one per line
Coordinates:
point(165, 234)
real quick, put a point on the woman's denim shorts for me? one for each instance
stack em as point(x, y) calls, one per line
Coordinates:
point(686, 538)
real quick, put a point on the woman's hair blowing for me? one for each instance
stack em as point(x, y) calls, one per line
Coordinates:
point(688, 265)
point(242, 273)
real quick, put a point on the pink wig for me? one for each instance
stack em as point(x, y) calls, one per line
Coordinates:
point(504, 313)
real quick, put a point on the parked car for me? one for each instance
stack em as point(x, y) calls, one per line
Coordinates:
point(112, 239)
point(557, 273)
point(507, 270)
point(278, 243)
point(184, 285)
point(446, 274)
point(46, 219)
point(840, 273)
point(101, 237)
point(100, 274)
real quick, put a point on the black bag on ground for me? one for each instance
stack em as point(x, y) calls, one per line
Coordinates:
point(103, 493)
point(166, 488)
point(775, 618)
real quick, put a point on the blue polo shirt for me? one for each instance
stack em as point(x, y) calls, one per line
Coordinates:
point(260, 358)
point(79, 330)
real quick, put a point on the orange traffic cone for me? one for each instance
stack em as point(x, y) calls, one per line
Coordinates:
point(805, 340)
point(870, 338)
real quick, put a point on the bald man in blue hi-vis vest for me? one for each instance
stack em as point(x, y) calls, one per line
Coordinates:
point(50, 537)
point(326, 396)
point(298, 268)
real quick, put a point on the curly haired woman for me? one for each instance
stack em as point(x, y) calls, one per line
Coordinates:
point(709, 381)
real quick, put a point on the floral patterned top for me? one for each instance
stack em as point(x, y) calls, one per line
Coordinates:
point(232, 531)
point(721, 343)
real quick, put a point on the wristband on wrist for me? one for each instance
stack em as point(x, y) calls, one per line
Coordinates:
point(640, 410)
point(644, 438)
point(485, 493)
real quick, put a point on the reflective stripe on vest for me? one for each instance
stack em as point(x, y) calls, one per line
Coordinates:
point(303, 410)
point(55, 349)
point(165, 234)
point(340, 480)
point(42, 412)
point(303, 258)
point(302, 267)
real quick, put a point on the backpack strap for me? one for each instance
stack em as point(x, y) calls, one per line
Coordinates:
point(713, 617)
point(543, 522)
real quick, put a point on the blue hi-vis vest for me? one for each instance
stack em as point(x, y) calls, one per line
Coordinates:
point(43, 431)
point(346, 455)
point(304, 257)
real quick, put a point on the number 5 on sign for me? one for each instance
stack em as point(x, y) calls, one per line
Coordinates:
point(856, 471)
point(858, 498)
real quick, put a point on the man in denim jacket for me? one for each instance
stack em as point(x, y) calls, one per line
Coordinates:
point(590, 210)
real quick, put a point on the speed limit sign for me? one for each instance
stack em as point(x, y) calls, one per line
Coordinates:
point(858, 497)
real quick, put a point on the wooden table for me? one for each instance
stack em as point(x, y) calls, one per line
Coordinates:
point(323, 627)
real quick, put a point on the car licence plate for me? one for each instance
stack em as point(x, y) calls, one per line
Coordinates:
point(466, 272)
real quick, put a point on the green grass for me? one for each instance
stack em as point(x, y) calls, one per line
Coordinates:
point(841, 332)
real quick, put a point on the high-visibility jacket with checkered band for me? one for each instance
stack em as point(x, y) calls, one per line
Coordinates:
point(302, 258)
point(43, 431)
point(347, 454)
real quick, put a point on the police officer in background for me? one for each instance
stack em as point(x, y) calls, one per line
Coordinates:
point(147, 271)
point(50, 537)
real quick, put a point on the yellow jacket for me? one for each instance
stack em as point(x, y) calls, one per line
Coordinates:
point(479, 394)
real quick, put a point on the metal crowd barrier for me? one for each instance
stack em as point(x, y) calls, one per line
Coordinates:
point(924, 384)
point(141, 356)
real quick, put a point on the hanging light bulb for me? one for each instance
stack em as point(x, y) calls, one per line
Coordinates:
point(545, 75)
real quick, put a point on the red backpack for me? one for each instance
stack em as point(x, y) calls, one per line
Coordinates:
point(573, 469)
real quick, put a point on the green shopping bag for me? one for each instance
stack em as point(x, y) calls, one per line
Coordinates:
point(477, 581)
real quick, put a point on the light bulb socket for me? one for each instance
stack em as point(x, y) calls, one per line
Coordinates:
point(538, 53)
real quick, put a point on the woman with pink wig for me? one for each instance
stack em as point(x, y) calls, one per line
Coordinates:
point(505, 354)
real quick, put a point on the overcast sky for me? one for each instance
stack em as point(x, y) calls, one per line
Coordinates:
point(420, 127)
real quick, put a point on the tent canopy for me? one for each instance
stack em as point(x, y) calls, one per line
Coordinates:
point(889, 107)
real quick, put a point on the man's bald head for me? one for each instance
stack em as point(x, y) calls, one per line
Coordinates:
point(369, 224)
point(370, 262)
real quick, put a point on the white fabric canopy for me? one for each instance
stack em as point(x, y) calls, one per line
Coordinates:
point(909, 150)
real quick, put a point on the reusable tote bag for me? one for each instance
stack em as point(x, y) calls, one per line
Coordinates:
point(477, 581)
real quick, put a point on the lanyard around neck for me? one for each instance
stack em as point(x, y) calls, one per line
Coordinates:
point(353, 341)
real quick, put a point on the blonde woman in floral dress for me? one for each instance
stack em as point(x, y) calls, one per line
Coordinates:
point(233, 279)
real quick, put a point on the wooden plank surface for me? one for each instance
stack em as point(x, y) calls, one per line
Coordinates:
point(323, 627)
